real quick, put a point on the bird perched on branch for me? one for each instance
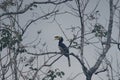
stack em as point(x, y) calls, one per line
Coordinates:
point(64, 50)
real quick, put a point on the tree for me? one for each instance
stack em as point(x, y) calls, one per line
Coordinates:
point(12, 33)
point(14, 50)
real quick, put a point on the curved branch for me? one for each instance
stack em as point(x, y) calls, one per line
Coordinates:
point(85, 70)
point(105, 50)
point(53, 12)
point(81, 62)
point(31, 4)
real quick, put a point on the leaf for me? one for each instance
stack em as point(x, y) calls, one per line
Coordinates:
point(35, 6)
point(62, 73)
point(31, 8)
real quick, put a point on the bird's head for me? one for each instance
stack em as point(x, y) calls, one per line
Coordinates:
point(58, 38)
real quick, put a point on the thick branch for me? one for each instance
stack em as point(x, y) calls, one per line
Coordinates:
point(103, 55)
point(82, 27)
point(81, 62)
point(85, 70)
point(43, 53)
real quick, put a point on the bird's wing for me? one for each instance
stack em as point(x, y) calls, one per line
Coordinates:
point(64, 48)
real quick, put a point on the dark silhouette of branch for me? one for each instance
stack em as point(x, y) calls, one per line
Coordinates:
point(53, 61)
point(41, 54)
point(33, 3)
point(82, 26)
point(53, 12)
point(72, 54)
point(105, 50)
point(85, 70)
point(103, 70)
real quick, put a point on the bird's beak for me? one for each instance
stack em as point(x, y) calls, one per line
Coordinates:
point(57, 37)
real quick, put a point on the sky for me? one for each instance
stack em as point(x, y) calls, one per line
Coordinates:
point(50, 29)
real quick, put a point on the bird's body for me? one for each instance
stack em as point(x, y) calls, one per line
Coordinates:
point(63, 48)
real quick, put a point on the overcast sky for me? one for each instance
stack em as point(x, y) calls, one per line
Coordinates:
point(50, 29)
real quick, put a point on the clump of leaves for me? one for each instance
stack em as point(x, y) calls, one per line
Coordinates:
point(8, 38)
point(34, 6)
point(4, 38)
point(52, 74)
point(99, 30)
point(6, 4)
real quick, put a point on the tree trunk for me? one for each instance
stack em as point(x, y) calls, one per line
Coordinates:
point(88, 77)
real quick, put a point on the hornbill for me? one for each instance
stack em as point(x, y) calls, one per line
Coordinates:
point(63, 48)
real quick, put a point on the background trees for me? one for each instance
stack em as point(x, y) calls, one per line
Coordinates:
point(90, 28)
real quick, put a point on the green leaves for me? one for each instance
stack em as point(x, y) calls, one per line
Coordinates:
point(99, 31)
point(52, 74)
point(5, 37)
point(8, 38)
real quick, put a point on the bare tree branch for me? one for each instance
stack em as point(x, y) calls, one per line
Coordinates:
point(103, 55)
point(33, 3)
point(53, 12)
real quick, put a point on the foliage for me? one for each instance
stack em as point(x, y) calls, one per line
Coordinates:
point(99, 30)
point(14, 38)
point(52, 74)
point(8, 38)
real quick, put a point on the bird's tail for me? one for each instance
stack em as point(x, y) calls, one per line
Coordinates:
point(69, 61)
